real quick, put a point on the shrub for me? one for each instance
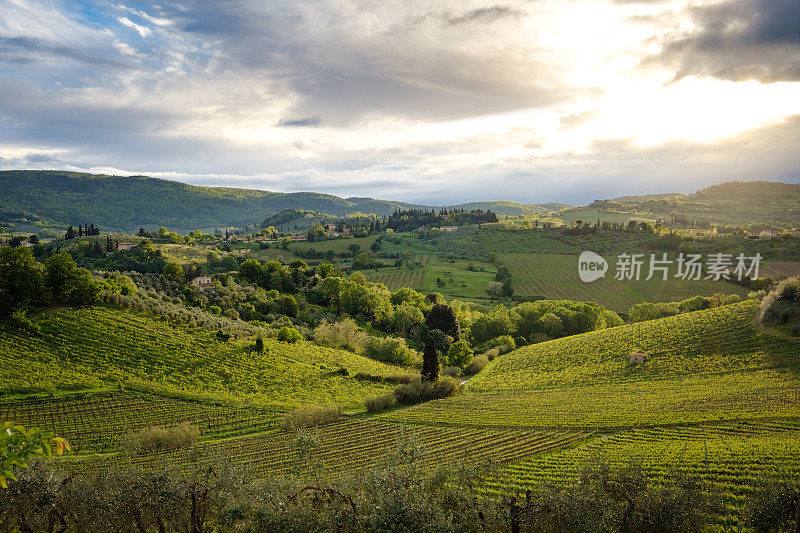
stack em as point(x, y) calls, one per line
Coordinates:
point(477, 364)
point(452, 371)
point(390, 350)
point(310, 416)
point(650, 311)
point(491, 353)
point(154, 439)
point(380, 403)
point(423, 391)
point(289, 334)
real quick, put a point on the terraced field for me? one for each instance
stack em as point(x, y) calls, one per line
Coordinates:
point(729, 458)
point(86, 348)
point(97, 422)
point(555, 276)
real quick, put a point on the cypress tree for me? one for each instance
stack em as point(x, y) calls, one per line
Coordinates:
point(430, 361)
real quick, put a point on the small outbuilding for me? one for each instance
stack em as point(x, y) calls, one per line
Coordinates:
point(202, 282)
point(638, 358)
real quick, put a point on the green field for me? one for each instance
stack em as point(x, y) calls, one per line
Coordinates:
point(85, 348)
point(340, 246)
point(555, 276)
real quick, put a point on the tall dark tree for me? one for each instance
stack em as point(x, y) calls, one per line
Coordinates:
point(20, 279)
point(430, 361)
point(70, 233)
point(443, 318)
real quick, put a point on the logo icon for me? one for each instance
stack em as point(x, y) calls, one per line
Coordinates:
point(591, 266)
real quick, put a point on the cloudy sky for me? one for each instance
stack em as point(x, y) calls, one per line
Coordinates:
point(439, 102)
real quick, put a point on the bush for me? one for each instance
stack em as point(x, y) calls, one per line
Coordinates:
point(154, 439)
point(477, 364)
point(289, 334)
point(423, 391)
point(380, 403)
point(310, 416)
point(390, 350)
point(491, 353)
point(452, 371)
point(650, 311)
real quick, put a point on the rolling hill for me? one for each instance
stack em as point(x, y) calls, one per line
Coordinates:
point(754, 204)
point(96, 348)
point(35, 198)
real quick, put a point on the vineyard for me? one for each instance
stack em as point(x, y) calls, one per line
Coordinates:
point(714, 340)
point(685, 399)
point(97, 422)
point(340, 246)
point(555, 276)
point(396, 278)
point(87, 348)
point(359, 443)
point(782, 269)
point(729, 458)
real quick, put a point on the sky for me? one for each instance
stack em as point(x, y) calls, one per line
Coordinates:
point(433, 102)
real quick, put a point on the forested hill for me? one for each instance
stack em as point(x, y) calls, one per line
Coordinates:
point(755, 205)
point(126, 203)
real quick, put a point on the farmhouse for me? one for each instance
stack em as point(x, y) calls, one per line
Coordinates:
point(125, 245)
point(297, 238)
point(202, 282)
point(449, 228)
point(638, 358)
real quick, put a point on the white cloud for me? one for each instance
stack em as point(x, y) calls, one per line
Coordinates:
point(415, 101)
point(143, 31)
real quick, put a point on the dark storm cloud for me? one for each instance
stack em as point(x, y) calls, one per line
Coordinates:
point(738, 40)
point(30, 50)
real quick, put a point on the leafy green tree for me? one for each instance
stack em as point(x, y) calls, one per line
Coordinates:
point(459, 354)
point(443, 318)
point(173, 271)
point(18, 445)
point(495, 289)
point(20, 279)
point(503, 273)
point(289, 334)
point(430, 361)
point(67, 282)
point(325, 270)
point(407, 317)
point(507, 289)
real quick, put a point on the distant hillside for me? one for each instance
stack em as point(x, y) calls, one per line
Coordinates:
point(756, 205)
point(513, 208)
point(40, 198)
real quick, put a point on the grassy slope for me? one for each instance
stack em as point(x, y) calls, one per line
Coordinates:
point(86, 347)
point(710, 341)
point(704, 366)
